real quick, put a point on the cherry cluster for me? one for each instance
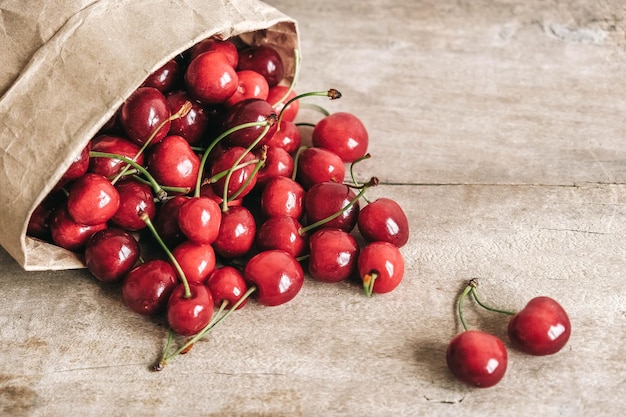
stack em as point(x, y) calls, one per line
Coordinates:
point(200, 194)
point(480, 359)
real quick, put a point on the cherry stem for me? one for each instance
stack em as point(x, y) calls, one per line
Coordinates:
point(208, 150)
point(333, 94)
point(215, 178)
point(182, 112)
point(296, 158)
point(371, 183)
point(144, 216)
point(158, 189)
point(368, 283)
point(296, 74)
point(175, 190)
point(366, 156)
point(318, 108)
point(459, 303)
point(257, 168)
point(486, 307)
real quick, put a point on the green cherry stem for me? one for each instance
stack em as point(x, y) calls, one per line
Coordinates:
point(486, 307)
point(144, 216)
point(259, 164)
point(296, 158)
point(333, 94)
point(318, 108)
point(169, 189)
point(368, 283)
point(292, 84)
point(366, 156)
point(459, 303)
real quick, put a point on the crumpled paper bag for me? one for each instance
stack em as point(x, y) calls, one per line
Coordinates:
point(67, 67)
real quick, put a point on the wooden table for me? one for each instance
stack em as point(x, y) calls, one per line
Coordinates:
point(499, 127)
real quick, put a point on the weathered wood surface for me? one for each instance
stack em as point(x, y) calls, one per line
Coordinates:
point(499, 126)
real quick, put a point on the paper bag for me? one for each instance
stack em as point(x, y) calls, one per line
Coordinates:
point(67, 67)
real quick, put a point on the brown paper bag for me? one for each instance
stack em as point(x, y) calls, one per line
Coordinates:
point(67, 67)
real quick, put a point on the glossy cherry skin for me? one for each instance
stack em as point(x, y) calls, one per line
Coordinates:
point(278, 163)
point(343, 133)
point(384, 220)
point(199, 219)
point(78, 167)
point(384, 261)
point(327, 198)
point(251, 85)
point(287, 137)
point(239, 176)
point(69, 234)
point(172, 162)
point(164, 78)
point(284, 233)
point(226, 283)
point(277, 275)
point(237, 232)
point(541, 328)
point(333, 255)
point(210, 78)
point(274, 97)
point(227, 48)
point(166, 220)
point(264, 60)
point(142, 113)
point(250, 110)
point(316, 165)
point(477, 358)
point(282, 196)
point(111, 253)
point(192, 126)
point(92, 200)
point(187, 316)
point(39, 222)
point(109, 167)
point(148, 286)
point(136, 198)
point(197, 260)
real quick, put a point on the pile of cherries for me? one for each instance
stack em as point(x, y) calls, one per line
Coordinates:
point(200, 194)
point(480, 359)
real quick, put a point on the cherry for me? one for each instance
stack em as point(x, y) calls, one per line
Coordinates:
point(477, 358)
point(276, 97)
point(148, 286)
point(240, 177)
point(277, 275)
point(166, 220)
point(316, 165)
point(333, 255)
point(164, 78)
point(39, 222)
point(343, 133)
point(195, 124)
point(227, 284)
point(282, 232)
point(135, 198)
point(188, 315)
point(173, 162)
point(278, 163)
point(210, 78)
point(252, 110)
point(92, 200)
point(324, 199)
point(110, 254)
point(381, 267)
point(142, 113)
point(282, 196)
point(384, 220)
point(69, 234)
point(264, 60)
point(227, 48)
point(197, 260)
point(78, 167)
point(110, 167)
point(287, 137)
point(199, 219)
point(540, 328)
point(237, 232)
point(251, 85)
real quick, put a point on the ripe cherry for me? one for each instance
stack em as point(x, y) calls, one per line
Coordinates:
point(282, 196)
point(381, 267)
point(540, 328)
point(173, 162)
point(276, 97)
point(324, 199)
point(195, 124)
point(186, 316)
point(199, 219)
point(477, 358)
point(69, 234)
point(343, 133)
point(110, 254)
point(227, 284)
point(316, 165)
point(164, 78)
point(227, 48)
point(333, 255)
point(92, 200)
point(277, 275)
point(240, 177)
point(135, 198)
point(287, 137)
point(284, 233)
point(252, 110)
point(384, 220)
point(109, 167)
point(39, 222)
point(251, 85)
point(237, 232)
point(148, 286)
point(264, 60)
point(278, 163)
point(197, 260)
point(142, 113)
point(78, 167)
point(166, 220)
point(210, 78)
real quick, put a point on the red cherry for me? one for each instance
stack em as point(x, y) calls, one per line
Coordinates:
point(316, 165)
point(210, 78)
point(282, 233)
point(164, 78)
point(148, 286)
point(110, 167)
point(187, 316)
point(282, 196)
point(477, 358)
point(381, 267)
point(264, 60)
point(197, 260)
point(277, 275)
point(92, 200)
point(199, 219)
point(69, 234)
point(343, 133)
point(287, 137)
point(276, 94)
point(172, 162)
point(252, 110)
point(79, 166)
point(327, 198)
point(237, 232)
point(39, 222)
point(251, 85)
point(239, 176)
point(110, 254)
point(384, 220)
point(227, 48)
point(278, 163)
point(333, 255)
point(142, 113)
point(166, 220)
point(541, 328)
point(135, 198)
point(194, 125)
point(227, 284)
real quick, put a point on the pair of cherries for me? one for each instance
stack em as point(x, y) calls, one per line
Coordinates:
point(480, 359)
